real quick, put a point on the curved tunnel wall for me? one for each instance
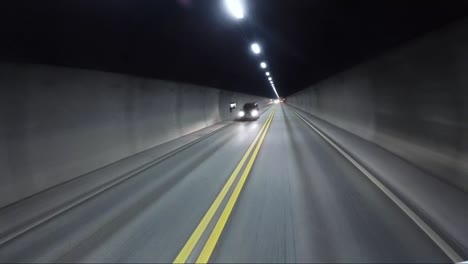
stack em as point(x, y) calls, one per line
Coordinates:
point(412, 101)
point(58, 123)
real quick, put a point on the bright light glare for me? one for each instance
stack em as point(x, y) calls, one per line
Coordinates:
point(269, 78)
point(255, 48)
point(276, 101)
point(241, 113)
point(267, 73)
point(255, 113)
point(235, 8)
point(263, 65)
point(274, 90)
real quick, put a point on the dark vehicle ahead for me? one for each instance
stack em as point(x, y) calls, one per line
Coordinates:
point(250, 111)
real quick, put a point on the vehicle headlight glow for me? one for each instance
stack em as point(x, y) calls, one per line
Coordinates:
point(254, 113)
point(241, 113)
point(276, 101)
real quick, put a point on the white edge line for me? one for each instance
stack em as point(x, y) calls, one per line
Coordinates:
point(444, 246)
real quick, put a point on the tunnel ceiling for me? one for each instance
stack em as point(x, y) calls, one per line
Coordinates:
point(196, 41)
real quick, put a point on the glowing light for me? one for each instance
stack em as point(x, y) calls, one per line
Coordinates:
point(235, 8)
point(263, 65)
point(267, 73)
point(255, 48)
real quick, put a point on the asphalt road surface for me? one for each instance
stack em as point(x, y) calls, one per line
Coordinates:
point(270, 190)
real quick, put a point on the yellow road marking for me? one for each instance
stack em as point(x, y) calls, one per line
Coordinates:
point(205, 255)
point(193, 240)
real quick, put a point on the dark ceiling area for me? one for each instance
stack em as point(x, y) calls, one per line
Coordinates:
point(196, 41)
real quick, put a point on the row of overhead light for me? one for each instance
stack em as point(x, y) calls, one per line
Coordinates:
point(236, 9)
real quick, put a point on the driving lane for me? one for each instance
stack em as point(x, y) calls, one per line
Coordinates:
point(146, 218)
point(290, 197)
point(304, 202)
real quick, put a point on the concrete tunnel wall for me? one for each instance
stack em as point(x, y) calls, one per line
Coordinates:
point(412, 101)
point(59, 123)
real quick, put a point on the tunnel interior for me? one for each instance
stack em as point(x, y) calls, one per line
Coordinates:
point(127, 132)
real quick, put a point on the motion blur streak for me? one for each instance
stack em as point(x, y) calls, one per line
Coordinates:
point(193, 240)
point(218, 229)
point(129, 131)
point(302, 202)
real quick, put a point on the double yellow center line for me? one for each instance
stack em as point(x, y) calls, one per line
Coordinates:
point(218, 229)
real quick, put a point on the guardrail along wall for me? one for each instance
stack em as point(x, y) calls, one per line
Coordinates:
point(412, 101)
point(58, 123)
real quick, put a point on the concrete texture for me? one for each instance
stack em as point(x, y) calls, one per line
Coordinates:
point(60, 123)
point(439, 203)
point(412, 101)
point(302, 202)
point(29, 212)
point(305, 203)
